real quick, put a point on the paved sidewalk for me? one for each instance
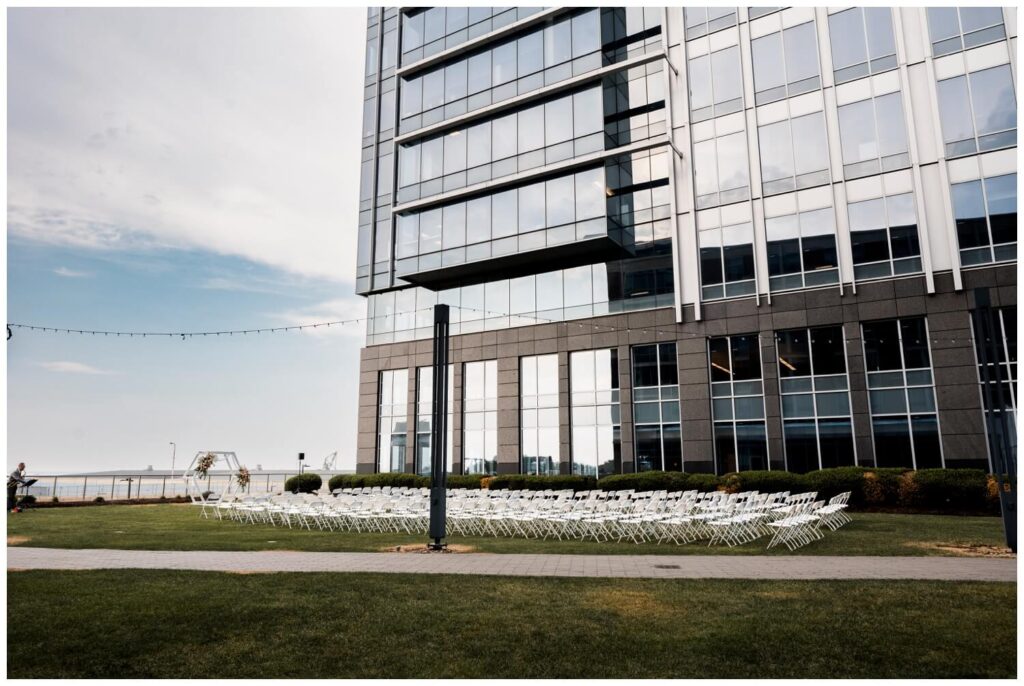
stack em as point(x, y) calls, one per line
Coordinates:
point(629, 566)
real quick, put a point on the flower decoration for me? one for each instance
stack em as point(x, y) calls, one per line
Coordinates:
point(204, 463)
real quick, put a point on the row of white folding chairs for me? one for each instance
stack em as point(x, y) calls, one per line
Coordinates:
point(801, 524)
point(659, 516)
point(626, 515)
point(376, 512)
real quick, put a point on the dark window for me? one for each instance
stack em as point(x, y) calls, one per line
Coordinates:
point(915, 343)
point(720, 366)
point(746, 357)
point(815, 399)
point(836, 440)
point(645, 365)
point(828, 349)
point(710, 266)
point(902, 394)
point(882, 346)
point(667, 355)
point(794, 353)
point(892, 441)
point(737, 403)
point(739, 262)
point(801, 446)
point(819, 252)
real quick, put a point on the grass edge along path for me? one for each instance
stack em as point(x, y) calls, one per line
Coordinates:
point(152, 624)
point(180, 527)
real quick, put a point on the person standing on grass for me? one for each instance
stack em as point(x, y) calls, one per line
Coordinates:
point(15, 481)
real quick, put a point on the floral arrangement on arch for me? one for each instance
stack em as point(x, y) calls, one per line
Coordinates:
point(204, 463)
point(243, 477)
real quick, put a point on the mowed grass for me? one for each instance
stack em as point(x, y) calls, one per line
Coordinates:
point(180, 527)
point(155, 624)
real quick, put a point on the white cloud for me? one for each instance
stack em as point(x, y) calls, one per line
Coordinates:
point(68, 367)
point(352, 310)
point(71, 273)
point(234, 131)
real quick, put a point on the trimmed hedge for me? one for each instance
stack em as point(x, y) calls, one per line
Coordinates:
point(400, 479)
point(763, 480)
point(303, 483)
point(659, 481)
point(471, 481)
point(530, 482)
point(394, 479)
point(705, 483)
point(644, 481)
point(957, 489)
point(881, 486)
point(831, 482)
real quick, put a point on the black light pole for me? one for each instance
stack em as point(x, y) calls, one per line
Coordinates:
point(298, 480)
point(439, 431)
point(1004, 460)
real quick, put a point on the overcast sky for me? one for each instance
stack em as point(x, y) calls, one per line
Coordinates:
point(182, 169)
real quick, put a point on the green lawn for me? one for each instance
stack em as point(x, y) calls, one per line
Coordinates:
point(179, 527)
point(154, 624)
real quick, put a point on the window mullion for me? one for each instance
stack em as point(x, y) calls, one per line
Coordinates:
point(988, 219)
point(867, 43)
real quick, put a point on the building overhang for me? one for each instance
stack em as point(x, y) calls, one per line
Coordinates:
point(565, 256)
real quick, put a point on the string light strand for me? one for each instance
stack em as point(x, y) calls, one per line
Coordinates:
point(525, 320)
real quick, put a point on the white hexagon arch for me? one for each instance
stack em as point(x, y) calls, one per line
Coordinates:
point(194, 479)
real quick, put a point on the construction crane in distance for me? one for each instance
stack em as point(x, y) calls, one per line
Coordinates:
point(329, 461)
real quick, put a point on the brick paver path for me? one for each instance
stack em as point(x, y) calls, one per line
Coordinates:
point(629, 566)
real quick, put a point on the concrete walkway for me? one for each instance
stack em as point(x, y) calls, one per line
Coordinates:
point(628, 566)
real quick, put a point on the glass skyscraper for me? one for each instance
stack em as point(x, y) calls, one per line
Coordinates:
point(700, 239)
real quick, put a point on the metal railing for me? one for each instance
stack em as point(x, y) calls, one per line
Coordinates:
point(147, 485)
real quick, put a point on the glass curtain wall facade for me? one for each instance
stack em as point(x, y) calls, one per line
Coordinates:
point(816, 421)
point(737, 400)
point(656, 408)
point(1004, 345)
point(538, 403)
point(901, 393)
point(672, 238)
point(425, 419)
point(394, 398)
point(480, 417)
point(596, 421)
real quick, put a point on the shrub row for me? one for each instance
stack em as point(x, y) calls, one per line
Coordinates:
point(949, 490)
point(946, 490)
point(303, 483)
point(398, 479)
point(657, 481)
point(528, 482)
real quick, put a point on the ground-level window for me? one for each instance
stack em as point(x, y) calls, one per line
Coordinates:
point(596, 423)
point(538, 403)
point(737, 403)
point(425, 418)
point(901, 392)
point(814, 388)
point(392, 420)
point(1001, 357)
point(656, 408)
point(480, 417)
